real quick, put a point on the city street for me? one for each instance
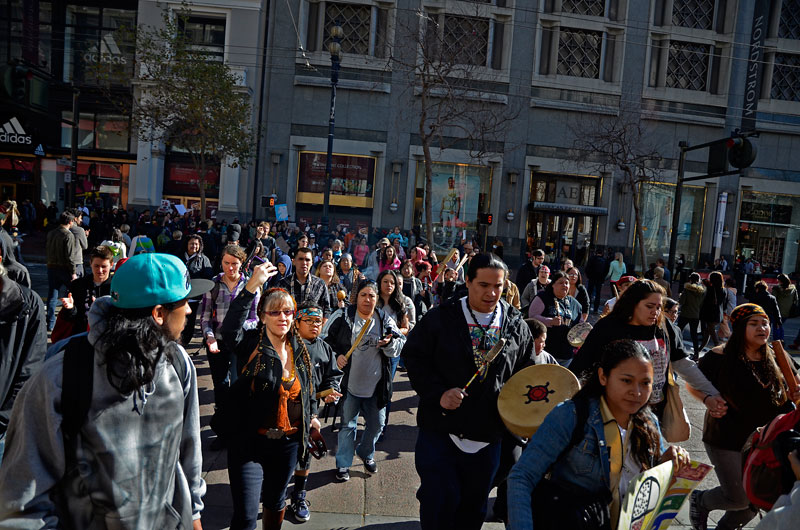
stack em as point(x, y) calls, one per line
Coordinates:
point(385, 500)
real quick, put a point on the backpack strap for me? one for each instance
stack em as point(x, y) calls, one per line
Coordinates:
point(76, 384)
point(179, 364)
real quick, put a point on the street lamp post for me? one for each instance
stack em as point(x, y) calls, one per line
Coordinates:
point(335, 49)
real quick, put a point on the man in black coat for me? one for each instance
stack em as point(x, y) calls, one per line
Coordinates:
point(85, 290)
point(23, 341)
point(596, 269)
point(530, 269)
point(458, 446)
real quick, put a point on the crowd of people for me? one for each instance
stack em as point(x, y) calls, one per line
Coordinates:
point(292, 321)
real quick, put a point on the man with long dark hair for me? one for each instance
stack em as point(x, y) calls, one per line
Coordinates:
point(122, 446)
point(458, 446)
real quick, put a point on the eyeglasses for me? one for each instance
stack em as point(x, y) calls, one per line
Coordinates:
point(312, 321)
point(285, 312)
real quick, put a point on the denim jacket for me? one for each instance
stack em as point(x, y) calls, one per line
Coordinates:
point(585, 466)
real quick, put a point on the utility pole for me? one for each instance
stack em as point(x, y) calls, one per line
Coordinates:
point(69, 191)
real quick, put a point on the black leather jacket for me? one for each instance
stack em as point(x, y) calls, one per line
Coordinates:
point(261, 398)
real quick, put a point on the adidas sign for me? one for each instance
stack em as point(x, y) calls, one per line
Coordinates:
point(109, 52)
point(13, 133)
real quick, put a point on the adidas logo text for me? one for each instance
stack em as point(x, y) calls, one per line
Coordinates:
point(13, 133)
point(108, 53)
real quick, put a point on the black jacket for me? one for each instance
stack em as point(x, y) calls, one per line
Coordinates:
point(259, 401)
point(340, 338)
point(609, 329)
point(23, 342)
point(526, 273)
point(596, 269)
point(770, 306)
point(199, 266)
point(326, 373)
point(82, 288)
point(438, 355)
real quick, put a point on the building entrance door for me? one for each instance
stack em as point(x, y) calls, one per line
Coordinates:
point(562, 236)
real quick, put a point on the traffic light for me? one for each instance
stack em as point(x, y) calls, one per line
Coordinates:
point(741, 152)
point(485, 218)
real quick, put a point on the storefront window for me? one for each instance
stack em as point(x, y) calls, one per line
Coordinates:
point(769, 231)
point(656, 211)
point(352, 179)
point(108, 132)
point(459, 192)
point(181, 178)
point(92, 36)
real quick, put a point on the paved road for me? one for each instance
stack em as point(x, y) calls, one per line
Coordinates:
point(382, 501)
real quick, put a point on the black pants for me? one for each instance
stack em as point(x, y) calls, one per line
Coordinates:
point(191, 319)
point(594, 288)
point(693, 323)
point(454, 485)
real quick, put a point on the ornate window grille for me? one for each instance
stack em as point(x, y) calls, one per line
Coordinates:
point(687, 65)
point(466, 40)
point(355, 20)
point(579, 53)
point(789, 24)
point(786, 77)
point(594, 8)
point(697, 14)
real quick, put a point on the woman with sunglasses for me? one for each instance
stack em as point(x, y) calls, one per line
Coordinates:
point(272, 402)
point(367, 383)
point(327, 377)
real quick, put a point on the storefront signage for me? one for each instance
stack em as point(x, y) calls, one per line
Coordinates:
point(568, 192)
point(766, 212)
point(13, 133)
point(109, 52)
point(758, 33)
point(567, 208)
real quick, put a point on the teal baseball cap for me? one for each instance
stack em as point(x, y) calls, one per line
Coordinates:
point(150, 279)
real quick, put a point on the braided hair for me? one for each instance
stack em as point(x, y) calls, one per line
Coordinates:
point(306, 357)
point(644, 435)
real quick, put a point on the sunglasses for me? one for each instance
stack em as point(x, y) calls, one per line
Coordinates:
point(285, 312)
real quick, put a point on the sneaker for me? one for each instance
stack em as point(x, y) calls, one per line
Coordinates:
point(370, 466)
point(343, 474)
point(698, 516)
point(299, 507)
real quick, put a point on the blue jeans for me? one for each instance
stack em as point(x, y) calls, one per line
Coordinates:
point(56, 278)
point(454, 485)
point(373, 425)
point(259, 468)
point(594, 289)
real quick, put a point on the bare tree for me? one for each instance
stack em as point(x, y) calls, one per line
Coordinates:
point(185, 98)
point(445, 64)
point(619, 144)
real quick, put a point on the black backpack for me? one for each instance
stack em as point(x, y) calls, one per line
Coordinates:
point(76, 385)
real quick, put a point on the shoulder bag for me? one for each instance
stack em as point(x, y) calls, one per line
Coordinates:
point(674, 422)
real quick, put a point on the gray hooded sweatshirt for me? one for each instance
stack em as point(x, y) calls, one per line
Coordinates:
point(139, 459)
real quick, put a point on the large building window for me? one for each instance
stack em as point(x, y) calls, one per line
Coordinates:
point(582, 39)
point(789, 23)
point(352, 179)
point(695, 14)
point(687, 65)
point(769, 227)
point(365, 27)
point(206, 35)
point(786, 77)
point(656, 216)
point(459, 192)
point(92, 36)
point(102, 131)
point(579, 53)
point(26, 33)
point(698, 61)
